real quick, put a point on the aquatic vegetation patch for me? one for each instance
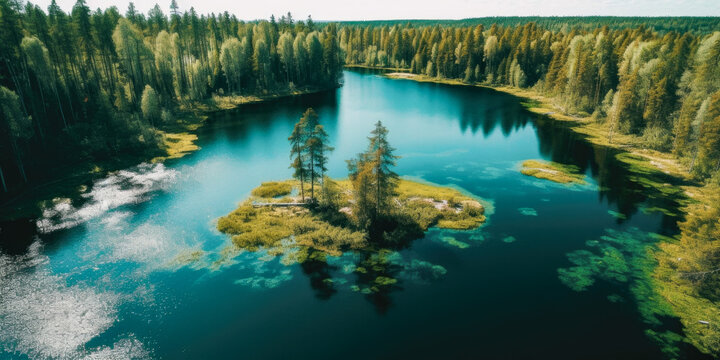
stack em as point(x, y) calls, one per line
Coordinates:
point(264, 282)
point(625, 257)
point(384, 281)
point(449, 240)
point(177, 145)
point(617, 215)
point(559, 173)
point(422, 271)
point(509, 239)
point(616, 258)
point(528, 211)
point(190, 257)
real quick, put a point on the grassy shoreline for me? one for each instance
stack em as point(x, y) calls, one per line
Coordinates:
point(179, 140)
point(593, 132)
point(369, 67)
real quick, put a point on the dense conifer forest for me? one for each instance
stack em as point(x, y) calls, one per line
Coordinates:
point(700, 25)
point(94, 85)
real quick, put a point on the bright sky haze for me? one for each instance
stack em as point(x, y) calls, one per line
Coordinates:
point(419, 9)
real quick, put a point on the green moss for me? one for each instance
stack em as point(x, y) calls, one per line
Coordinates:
point(559, 173)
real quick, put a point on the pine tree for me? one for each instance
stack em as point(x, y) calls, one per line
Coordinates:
point(381, 155)
point(297, 153)
point(311, 147)
point(708, 159)
point(14, 126)
point(319, 149)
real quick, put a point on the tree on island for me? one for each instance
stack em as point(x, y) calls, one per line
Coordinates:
point(296, 153)
point(309, 150)
point(374, 182)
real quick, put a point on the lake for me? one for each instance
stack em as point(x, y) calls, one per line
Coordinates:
point(136, 268)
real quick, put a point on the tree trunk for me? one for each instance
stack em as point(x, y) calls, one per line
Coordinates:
point(2, 180)
point(62, 113)
point(302, 186)
point(312, 177)
point(18, 159)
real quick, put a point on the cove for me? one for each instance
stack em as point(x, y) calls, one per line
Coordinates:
point(137, 268)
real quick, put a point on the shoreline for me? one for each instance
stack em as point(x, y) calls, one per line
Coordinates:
point(179, 140)
point(369, 67)
point(594, 133)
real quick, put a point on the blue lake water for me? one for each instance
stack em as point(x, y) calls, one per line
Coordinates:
point(138, 270)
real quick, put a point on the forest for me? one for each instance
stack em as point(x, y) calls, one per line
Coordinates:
point(700, 25)
point(661, 87)
point(94, 85)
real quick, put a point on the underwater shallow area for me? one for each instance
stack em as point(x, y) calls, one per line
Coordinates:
point(137, 269)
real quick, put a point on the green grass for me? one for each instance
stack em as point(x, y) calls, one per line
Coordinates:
point(252, 228)
point(278, 229)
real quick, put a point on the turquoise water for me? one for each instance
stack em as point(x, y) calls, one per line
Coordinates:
point(137, 270)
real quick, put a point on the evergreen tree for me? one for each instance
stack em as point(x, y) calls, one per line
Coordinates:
point(297, 154)
point(15, 126)
point(708, 158)
point(374, 182)
point(381, 155)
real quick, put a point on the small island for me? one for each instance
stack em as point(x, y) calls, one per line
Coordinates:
point(559, 173)
point(371, 210)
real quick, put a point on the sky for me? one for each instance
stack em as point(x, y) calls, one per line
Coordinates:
point(419, 9)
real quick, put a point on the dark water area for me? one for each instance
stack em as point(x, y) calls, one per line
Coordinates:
point(138, 270)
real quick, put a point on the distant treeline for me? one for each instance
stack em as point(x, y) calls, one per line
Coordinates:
point(88, 86)
point(664, 88)
point(699, 25)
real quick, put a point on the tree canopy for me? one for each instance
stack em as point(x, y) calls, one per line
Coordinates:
point(94, 83)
